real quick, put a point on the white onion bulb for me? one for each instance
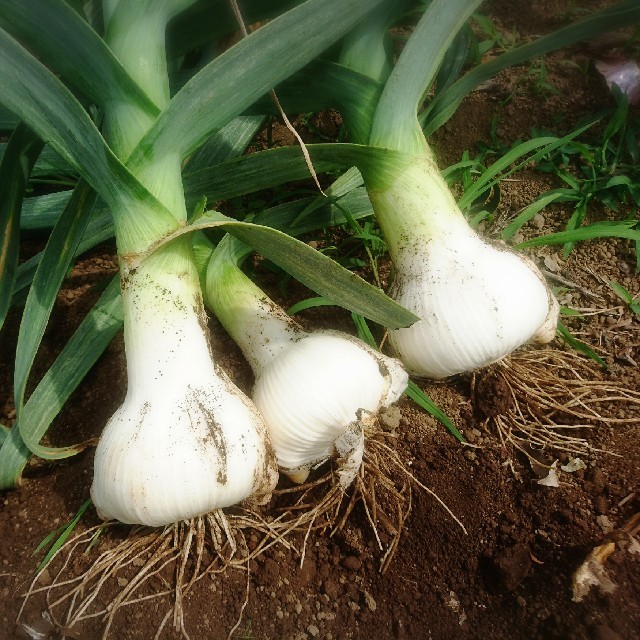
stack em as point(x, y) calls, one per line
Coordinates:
point(317, 396)
point(185, 441)
point(316, 391)
point(477, 301)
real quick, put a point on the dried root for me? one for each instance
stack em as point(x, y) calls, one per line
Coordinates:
point(145, 565)
point(149, 564)
point(383, 486)
point(541, 399)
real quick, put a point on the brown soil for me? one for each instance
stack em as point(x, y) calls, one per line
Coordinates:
point(510, 575)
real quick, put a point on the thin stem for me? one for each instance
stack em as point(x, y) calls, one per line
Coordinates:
point(259, 326)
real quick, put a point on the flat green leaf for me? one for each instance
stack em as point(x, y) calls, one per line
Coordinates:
point(310, 303)
point(98, 230)
point(248, 69)
point(8, 121)
point(269, 168)
point(51, 271)
point(60, 36)
point(348, 181)
point(623, 229)
point(86, 345)
point(4, 432)
point(31, 91)
point(394, 125)
point(323, 84)
point(48, 162)
point(15, 167)
point(42, 212)
point(445, 104)
point(230, 142)
point(527, 213)
point(312, 268)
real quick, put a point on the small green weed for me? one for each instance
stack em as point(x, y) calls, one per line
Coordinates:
point(633, 302)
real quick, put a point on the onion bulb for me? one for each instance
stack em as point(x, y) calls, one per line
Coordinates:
point(185, 441)
point(316, 391)
point(477, 301)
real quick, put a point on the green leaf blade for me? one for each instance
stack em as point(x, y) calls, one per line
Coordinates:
point(86, 345)
point(229, 84)
point(51, 271)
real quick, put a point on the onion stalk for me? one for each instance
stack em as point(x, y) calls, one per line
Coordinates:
point(185, 441)
point(317, 392)
point(477, 300)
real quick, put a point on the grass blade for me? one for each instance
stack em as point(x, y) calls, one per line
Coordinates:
point(615, 229)
point(423, 400)
point(62, 538)
point(578, 345)
point(309, 303)
point(544, 145)
point(529, 212)
point(445, 104)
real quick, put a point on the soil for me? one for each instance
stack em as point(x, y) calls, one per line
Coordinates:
point(510, 574)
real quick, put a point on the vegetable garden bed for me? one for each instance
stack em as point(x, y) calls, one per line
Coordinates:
point(510, 575)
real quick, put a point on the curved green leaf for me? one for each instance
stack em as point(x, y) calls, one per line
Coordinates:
point(59, 35)
point(323, 84)
point(51, 271)
point(312, 268)
point(78, 356)
point(229, 84)
point(207, 22)
point(395, 123)
point(31, 91)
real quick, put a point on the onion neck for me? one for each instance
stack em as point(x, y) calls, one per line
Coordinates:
point(259, 327)
point(164, 322)
point(415, 208)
